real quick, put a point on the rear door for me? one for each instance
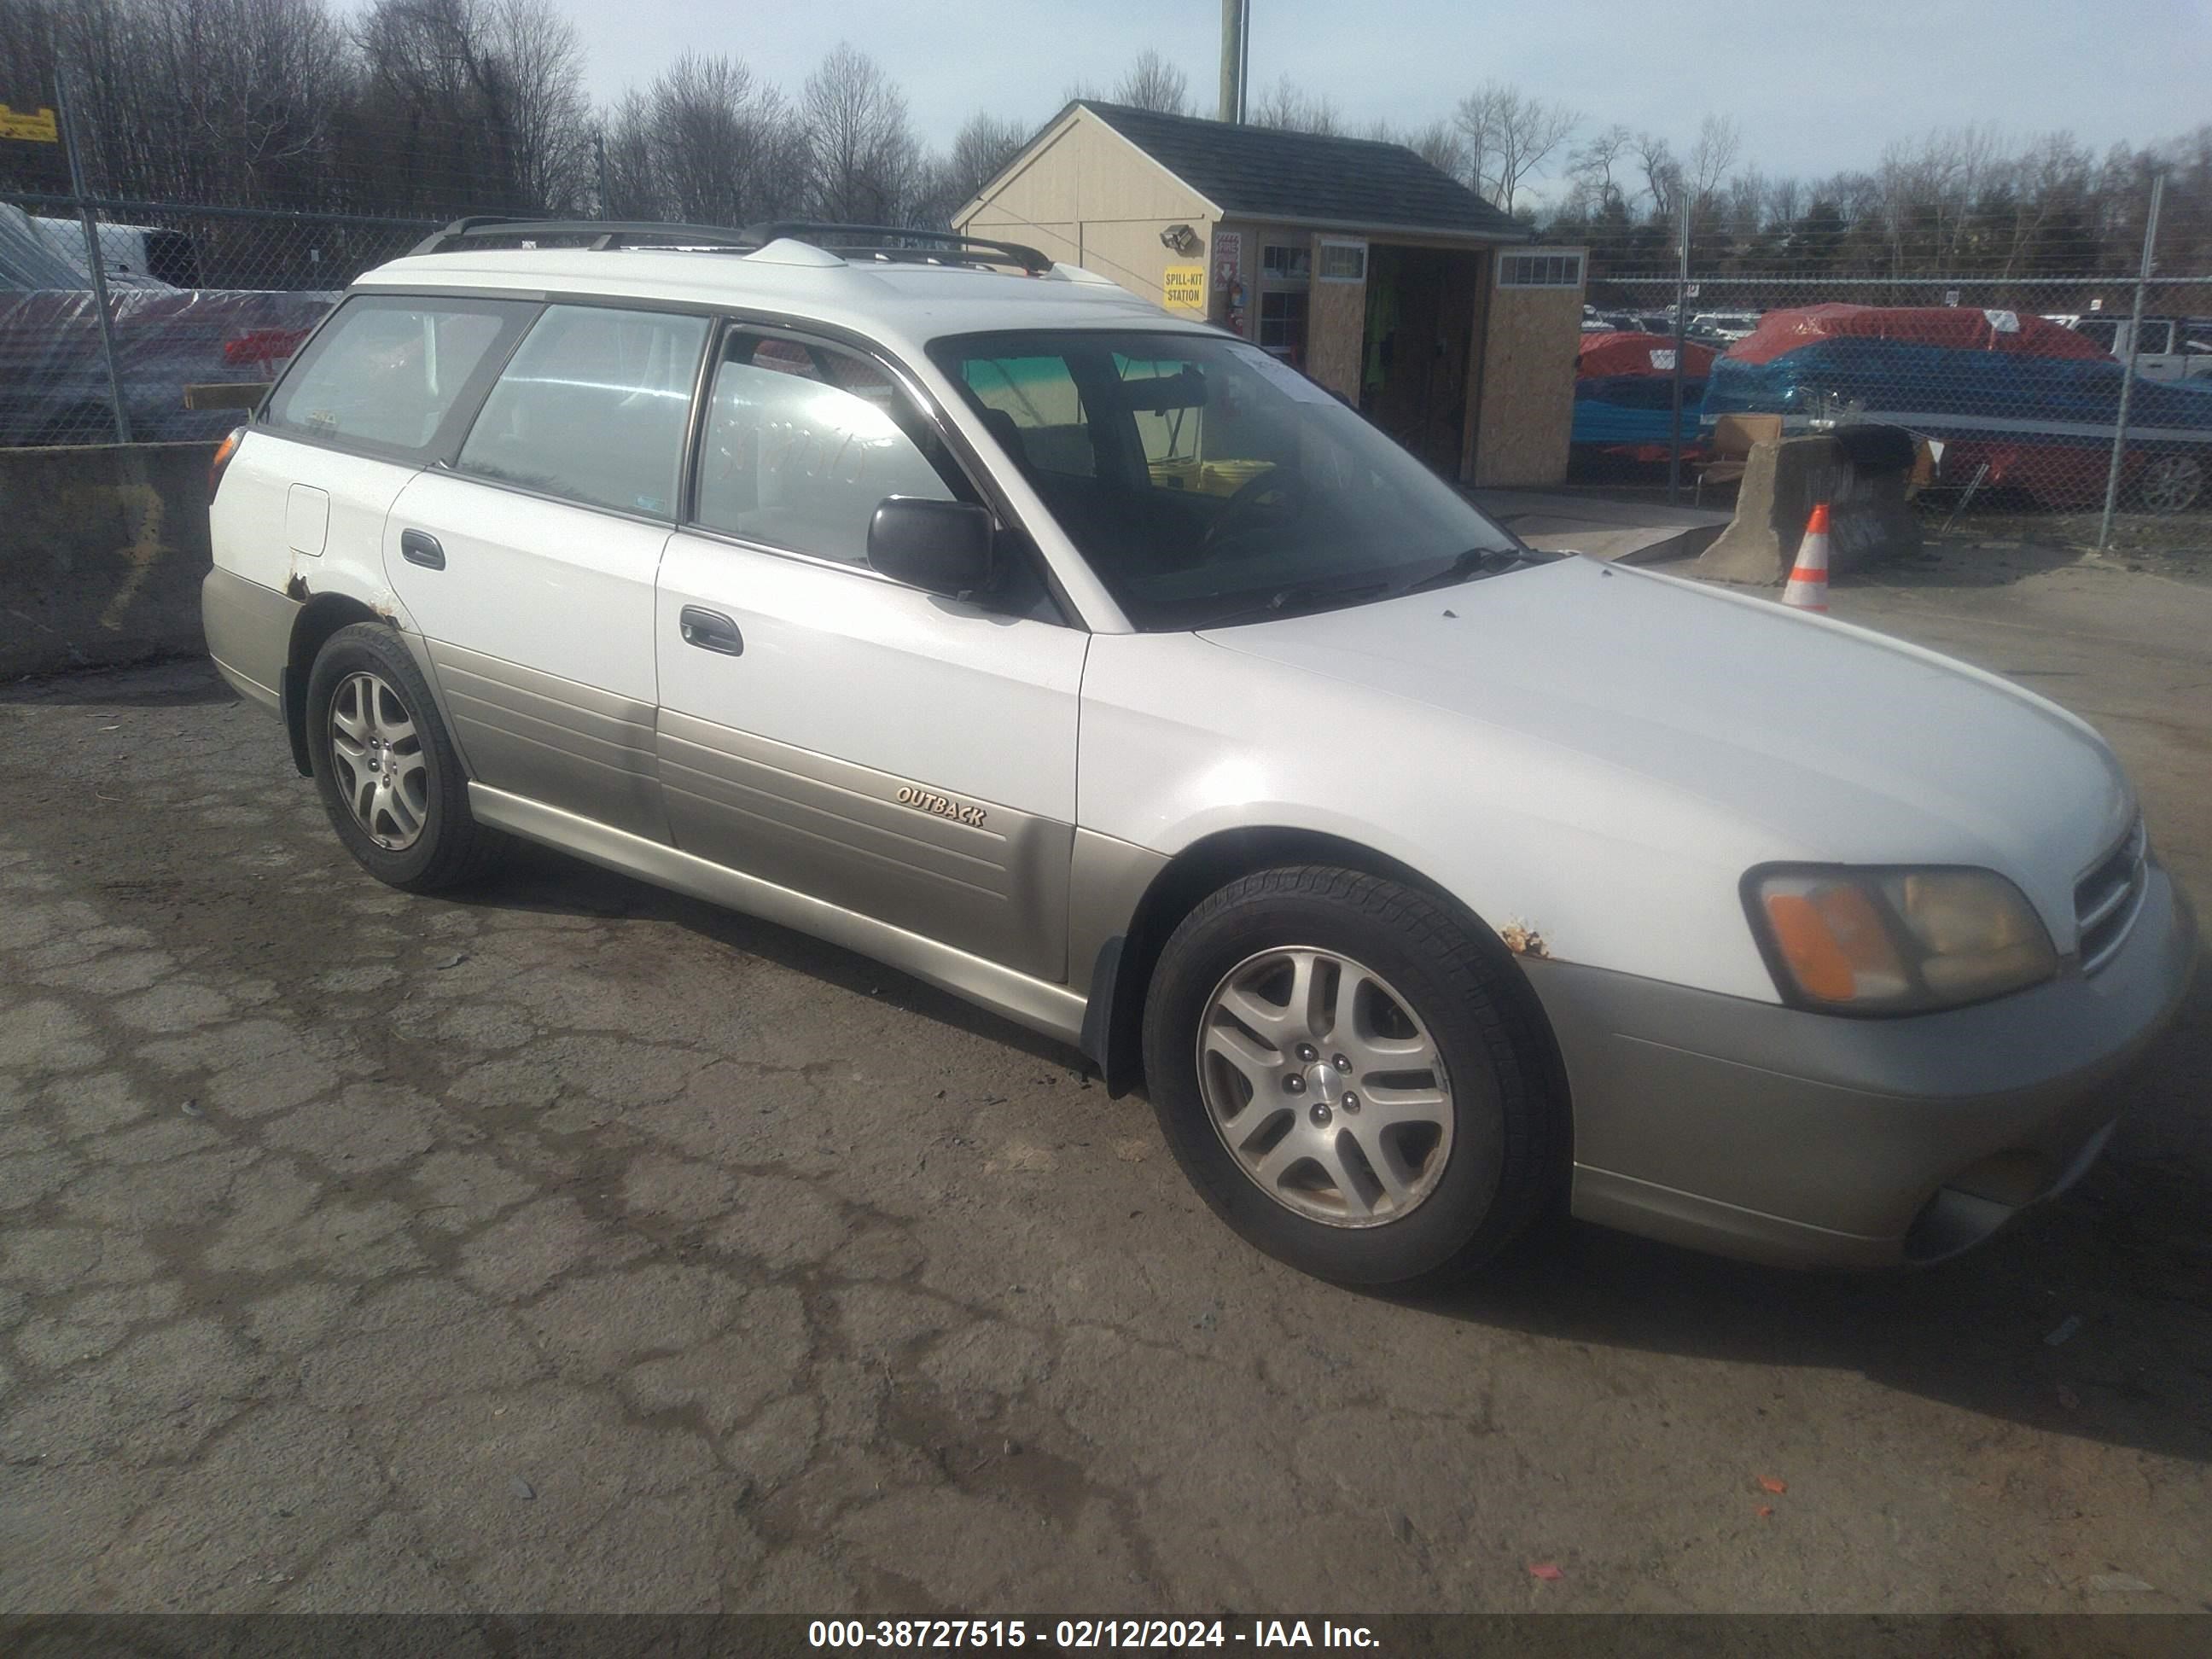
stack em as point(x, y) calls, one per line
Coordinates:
point(529, 566)
point(897, 753)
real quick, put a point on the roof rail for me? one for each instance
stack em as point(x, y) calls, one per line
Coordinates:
point(899, 242)
point(596, 233)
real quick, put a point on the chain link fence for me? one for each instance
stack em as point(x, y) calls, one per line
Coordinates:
point(195, 296)
point(2081, 398)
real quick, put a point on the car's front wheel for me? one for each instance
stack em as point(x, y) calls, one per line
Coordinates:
point(385, 768)
point(1346, 1077)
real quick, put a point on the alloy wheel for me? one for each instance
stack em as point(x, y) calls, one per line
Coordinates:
point(1325, 1086)
point(378, 764)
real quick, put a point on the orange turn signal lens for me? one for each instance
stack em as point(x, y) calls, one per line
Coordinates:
point(1835, 943)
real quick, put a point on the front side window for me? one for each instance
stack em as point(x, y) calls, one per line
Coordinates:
point(1223, 483)
point(592, 408)
point(803, 442)
point(386, 372)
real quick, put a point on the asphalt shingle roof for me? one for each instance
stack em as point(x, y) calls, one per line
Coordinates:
point(1260, 172)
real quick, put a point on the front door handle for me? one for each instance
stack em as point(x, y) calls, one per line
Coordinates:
point(420, 547)
point(710, 630)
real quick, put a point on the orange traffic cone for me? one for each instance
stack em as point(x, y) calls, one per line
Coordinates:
point(1808, 589)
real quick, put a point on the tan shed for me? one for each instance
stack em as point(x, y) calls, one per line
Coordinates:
point(1380, 276)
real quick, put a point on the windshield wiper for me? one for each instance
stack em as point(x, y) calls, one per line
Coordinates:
point(1284, 601)
point(1475, 561)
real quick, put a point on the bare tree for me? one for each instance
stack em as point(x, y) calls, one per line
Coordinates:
point(718, 144)
point(1154, 83)
point(1661, 173)
point(1509, 136)
point(981, 147)
point(1595, 164)
point(1711, 159)
point(1290, 108)
point(866, 162)
point(1440, 145)
point(549, 114)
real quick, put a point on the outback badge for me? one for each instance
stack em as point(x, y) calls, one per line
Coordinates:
point(928, 800)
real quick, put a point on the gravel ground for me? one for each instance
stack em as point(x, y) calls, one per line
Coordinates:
point(575, 1246)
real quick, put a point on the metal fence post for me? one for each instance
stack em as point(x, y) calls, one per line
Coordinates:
point(2128, 363)
point(95, 264)
point(1681, 330)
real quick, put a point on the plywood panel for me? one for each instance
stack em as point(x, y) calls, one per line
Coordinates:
point(1528, 385)
point(1336, 331)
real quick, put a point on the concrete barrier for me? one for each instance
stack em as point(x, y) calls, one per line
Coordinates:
point(101, 553)
point(1869, 520)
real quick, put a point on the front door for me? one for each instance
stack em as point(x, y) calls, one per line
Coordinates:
point(530, 566)
point(899, 754)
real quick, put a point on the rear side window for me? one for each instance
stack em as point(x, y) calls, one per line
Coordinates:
point(803, 442)
point(592, 408)
point(387, 372)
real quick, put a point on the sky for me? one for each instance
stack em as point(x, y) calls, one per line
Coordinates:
point(1815, 88)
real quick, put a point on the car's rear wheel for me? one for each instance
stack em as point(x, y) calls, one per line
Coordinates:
point(1345, 1075)
point(390, 780)
point(2171, 483)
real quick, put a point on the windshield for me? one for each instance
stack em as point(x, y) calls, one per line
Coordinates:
point(1204, 480)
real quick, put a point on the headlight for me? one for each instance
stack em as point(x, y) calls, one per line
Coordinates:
point(1896, 941)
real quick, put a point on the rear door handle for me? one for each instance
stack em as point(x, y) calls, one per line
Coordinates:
point(420, 547)
point(710, 630)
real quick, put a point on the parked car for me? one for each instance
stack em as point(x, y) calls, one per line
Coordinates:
point(1625, 394)
point(54, 386)
point(133, 255)
point(2019, 402)
point(1722, 327)
point(2166, 348)
point(1423, 880)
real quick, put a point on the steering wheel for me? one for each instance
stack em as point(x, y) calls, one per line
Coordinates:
point(1253, 501)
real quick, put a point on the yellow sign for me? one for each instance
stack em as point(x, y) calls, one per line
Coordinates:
point(1184, 287)
point(35, 126)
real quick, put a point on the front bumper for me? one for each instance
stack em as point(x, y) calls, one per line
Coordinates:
point(1805, 1139)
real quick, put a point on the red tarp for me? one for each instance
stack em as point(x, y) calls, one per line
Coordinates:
point(1604, 355)
point(1948, 328)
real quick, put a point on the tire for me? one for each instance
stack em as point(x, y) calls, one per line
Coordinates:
point(385, 768)
point(1460, 1189)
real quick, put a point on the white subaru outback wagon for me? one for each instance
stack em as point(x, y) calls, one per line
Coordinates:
point(1100, 668)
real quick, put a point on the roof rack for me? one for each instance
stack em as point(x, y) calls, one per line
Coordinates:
point(596, 233)
point(900, 242)
point(890, 242)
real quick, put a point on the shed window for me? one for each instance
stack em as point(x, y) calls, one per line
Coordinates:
point(1283, 323)
point(1343, 262)
point(1539, 270)
point(1286, 262)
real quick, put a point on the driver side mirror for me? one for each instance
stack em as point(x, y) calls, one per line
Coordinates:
point(945, 547)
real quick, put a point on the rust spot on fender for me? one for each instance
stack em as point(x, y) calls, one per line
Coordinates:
point(296, 589)
point(1523, 940)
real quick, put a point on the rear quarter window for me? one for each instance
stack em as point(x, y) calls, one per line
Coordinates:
point(389, 373)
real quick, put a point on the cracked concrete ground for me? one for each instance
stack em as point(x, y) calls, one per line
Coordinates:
point(575, 1246)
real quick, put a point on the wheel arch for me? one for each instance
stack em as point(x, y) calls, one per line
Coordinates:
point(1114, 1037)
point(320, 617)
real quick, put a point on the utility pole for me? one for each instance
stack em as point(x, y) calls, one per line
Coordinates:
point(1233, 59)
